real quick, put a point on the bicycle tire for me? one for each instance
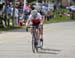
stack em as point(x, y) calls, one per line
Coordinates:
point(33, 44)
point(36, 43)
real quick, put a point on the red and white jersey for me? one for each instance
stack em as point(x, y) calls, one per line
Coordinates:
point(35, 20)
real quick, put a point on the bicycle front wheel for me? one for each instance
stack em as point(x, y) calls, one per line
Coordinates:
point(33, 44)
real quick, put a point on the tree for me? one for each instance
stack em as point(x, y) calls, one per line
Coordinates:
point(33, 0)
point(30, 1)
point(13, 12)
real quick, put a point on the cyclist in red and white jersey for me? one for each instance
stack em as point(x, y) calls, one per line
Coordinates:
point(36, 19)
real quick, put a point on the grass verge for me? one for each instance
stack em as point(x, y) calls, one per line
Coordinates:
point(58, 19)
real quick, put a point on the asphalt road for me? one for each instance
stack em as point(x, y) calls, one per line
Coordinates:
point(59, 42)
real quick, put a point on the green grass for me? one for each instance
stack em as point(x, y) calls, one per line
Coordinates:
point(58, 19)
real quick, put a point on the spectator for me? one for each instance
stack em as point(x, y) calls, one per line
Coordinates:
point(16, 15)
point(49, 15)
point(20, 19)
point(7, 11)
point(1, 18)
point(26, 10)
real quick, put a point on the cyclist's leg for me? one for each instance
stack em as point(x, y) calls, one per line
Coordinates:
point(35, 30)
point(38, 38)
point(41, 33)
point(37, 33)
point(39, 41)
point(41, 28)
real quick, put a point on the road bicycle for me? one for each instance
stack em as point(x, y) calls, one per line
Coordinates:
point(35, 39)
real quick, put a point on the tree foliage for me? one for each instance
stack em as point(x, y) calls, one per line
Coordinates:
point(33, 0)
point(30, 1)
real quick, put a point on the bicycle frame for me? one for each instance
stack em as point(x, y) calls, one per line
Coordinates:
point(35, 39)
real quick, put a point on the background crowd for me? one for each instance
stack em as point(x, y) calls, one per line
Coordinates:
point(22, 11)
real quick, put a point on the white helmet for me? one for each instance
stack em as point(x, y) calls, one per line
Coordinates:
point(34, 13)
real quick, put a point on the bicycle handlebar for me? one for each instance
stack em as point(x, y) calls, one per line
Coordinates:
point(33, 27)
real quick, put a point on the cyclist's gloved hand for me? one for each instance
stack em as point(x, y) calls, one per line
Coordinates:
point(26, 25)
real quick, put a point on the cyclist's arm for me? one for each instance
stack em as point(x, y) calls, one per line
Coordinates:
point(27, 23)
point(42, 19)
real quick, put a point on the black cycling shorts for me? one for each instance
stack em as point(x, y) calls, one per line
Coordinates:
point(36, 25)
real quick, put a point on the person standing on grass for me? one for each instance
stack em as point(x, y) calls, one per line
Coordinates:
point(16, 15)
point(8, 14)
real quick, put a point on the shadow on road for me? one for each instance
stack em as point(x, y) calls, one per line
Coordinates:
point(49, 51)
point(46, 49)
